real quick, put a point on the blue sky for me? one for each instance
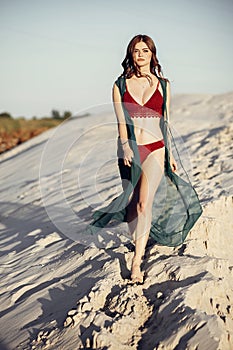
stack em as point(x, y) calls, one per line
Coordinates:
point(66, 54)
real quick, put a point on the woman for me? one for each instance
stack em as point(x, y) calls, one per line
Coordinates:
point(142, 90)
point(141, 97)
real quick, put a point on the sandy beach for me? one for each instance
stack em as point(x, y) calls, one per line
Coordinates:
point(61, 291)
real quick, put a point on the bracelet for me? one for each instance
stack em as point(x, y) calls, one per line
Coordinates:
point(124, 143)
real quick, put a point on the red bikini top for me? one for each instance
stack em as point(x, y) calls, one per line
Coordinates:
point(153, 108)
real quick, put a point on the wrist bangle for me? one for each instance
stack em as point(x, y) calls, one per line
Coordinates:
point(124, 143)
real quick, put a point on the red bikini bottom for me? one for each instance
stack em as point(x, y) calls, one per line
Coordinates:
point(145, 150)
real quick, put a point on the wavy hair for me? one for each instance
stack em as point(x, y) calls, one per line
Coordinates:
point(130, 68)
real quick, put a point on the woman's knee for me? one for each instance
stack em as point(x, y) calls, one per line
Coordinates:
point(142, 206)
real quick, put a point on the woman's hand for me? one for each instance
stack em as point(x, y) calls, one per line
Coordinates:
point(128, 154)
point(173, 163)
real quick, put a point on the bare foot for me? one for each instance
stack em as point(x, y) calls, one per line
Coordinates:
point(136, 274)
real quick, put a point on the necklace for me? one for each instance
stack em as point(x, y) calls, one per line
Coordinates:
point(145, 84)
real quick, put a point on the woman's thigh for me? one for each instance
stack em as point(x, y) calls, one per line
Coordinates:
point(152, 172)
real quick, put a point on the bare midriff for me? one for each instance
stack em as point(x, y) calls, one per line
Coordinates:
point(147, 130)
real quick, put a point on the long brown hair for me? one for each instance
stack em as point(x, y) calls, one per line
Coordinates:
point(128, 64)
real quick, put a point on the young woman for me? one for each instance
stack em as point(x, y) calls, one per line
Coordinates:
point(141, 98)
point(144, 101)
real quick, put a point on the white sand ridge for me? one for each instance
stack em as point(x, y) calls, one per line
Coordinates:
point(185, 302)
point(57, 294)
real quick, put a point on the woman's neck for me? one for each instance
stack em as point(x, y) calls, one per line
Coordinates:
point(145, 70)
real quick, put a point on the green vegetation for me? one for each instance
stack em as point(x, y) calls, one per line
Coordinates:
point(14, 131)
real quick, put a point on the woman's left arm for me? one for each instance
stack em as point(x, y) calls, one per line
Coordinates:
point(172, 160)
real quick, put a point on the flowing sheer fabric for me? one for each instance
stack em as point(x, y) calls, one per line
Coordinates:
point(176, 205)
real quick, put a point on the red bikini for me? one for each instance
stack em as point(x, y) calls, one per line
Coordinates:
point(151, 109)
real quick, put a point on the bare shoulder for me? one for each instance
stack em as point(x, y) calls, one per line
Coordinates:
point(115, 88)
point(115, 85)
point(116, 93)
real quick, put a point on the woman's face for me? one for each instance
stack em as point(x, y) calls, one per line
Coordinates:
point(141, 54)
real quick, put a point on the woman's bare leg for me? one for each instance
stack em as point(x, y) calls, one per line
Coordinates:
point(152, 171)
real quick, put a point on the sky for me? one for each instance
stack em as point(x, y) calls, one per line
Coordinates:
point(66, 54)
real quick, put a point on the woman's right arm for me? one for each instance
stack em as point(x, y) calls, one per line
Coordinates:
point(119, 114)
point(172, 159)
point(122, 129)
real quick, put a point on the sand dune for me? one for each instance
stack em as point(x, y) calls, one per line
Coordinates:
point(185, 302)
point(57, 293)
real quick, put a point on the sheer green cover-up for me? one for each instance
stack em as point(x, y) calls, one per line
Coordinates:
point(176, 205)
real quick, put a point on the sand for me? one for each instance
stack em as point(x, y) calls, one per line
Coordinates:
point(57, 293)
